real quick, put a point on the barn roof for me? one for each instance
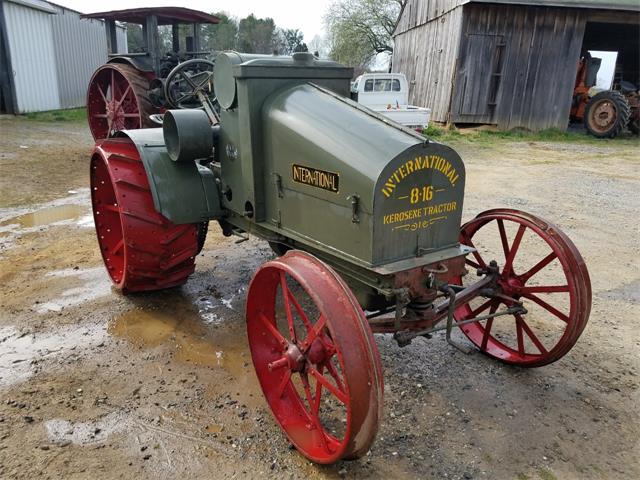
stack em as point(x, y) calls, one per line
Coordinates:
point(166, 15)
point(625, 5)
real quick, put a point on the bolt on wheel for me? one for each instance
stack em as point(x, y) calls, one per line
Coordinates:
point(315, 357)
point(539, 267)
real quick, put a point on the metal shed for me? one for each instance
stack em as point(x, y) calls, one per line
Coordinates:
point(47, 55)
point(510, 63)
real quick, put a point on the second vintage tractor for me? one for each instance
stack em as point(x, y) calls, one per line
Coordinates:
point(366, 217)
point(131, 88)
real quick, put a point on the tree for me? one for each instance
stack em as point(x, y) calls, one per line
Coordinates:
point(221, 36)
point(292, 41)
point(320, 46)
point(135, 42)
point(257, 35)
point(361, 29)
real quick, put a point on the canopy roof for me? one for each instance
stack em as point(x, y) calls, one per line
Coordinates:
point(166, 15)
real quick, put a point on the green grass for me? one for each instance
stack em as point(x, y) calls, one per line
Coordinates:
point(482, 136)
point(546, 474)
point(69, 115)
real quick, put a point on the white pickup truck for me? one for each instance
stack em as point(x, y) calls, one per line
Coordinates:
point(388, 94)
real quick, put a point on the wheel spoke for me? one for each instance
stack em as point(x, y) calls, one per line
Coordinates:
point(481, 308)
point(314, 416)
point(102, 94)
point(546, 289)
point(331, 368)
point(487, 328)
point(318, 396)
point(508, 266)
point(520, 336)
point(503, 238)
point(546, 306)
point(475, 253)
point(538, 266)
point(536, 341)
point(272, 329)
point(283, 383)
point(113, 84)
point(339, 394)
point(124, 95)
point(99, 115)
point(287, 306)
point(131, 115)
point(111, 208)
point(300, 311)
point(472, 263)
point(313, 333)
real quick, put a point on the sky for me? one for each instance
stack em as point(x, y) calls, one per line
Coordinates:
point(303, 15)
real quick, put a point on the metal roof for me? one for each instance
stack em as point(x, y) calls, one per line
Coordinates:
point(36, 5)
point(166, 15)
point(622, 5)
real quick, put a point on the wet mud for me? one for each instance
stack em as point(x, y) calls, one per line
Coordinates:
point(94, 384)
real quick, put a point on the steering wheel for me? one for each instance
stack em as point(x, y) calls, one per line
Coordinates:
point(189, 84)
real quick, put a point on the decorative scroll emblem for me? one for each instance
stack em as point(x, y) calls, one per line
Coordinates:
point(316, 178)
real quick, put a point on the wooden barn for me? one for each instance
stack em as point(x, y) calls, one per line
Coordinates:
point(510, 63)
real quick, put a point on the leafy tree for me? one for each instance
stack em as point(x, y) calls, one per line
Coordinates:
point(135, 42)
point(361, 29)
point(221, 36)
point(257, 35)
point(292, 41)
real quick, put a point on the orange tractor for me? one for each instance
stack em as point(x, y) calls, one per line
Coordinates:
point(607, 113)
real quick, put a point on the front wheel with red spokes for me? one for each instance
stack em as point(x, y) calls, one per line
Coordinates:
point(540, 268)
point(315, 357)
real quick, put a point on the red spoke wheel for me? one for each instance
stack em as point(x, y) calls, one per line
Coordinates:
point(141, 249)
point(540, 267)
point(117, 99)
point(315, 357)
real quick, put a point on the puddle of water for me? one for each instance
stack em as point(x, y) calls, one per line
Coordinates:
point(85, 433)
point(95, 284)
point(19, 353)
point(214, 428)
point(46, 216)
point(182, 329)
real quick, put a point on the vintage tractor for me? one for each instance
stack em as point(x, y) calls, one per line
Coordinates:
point(606, 113)
point(127, 91)
point(365, 216)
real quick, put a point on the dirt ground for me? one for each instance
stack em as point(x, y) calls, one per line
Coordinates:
point(97, 385)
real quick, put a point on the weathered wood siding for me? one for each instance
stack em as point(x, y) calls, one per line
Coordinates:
point(419, 12)
point(426, 50)
point(517, 66)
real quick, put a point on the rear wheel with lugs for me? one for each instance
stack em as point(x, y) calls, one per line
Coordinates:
point(607, 114)
point(141, 249)
point(315, 357)
point(117, 99)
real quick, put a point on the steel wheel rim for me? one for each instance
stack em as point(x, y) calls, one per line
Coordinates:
point(107, 219)
point(604, 116)
point(310, 435)
point(112, 103)
point(515, 284)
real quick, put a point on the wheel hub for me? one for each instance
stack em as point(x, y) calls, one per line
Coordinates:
point(604, 115)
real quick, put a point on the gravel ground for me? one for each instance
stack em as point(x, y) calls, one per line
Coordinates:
point(160, 385)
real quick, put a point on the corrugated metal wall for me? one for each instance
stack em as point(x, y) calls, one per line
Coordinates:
point(53, 55)
point(517, 66)
point(80, 47)
point(32, 58)
point(426, 53)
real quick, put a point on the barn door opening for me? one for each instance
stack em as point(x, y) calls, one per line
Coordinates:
point(480, 76)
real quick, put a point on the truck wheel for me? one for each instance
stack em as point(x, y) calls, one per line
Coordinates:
point(141, 249)
point(607, 114)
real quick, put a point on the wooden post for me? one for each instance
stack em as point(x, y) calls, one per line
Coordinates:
point(196, 37)
point(112, 38)
point(175, 32)
point(152, 42)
